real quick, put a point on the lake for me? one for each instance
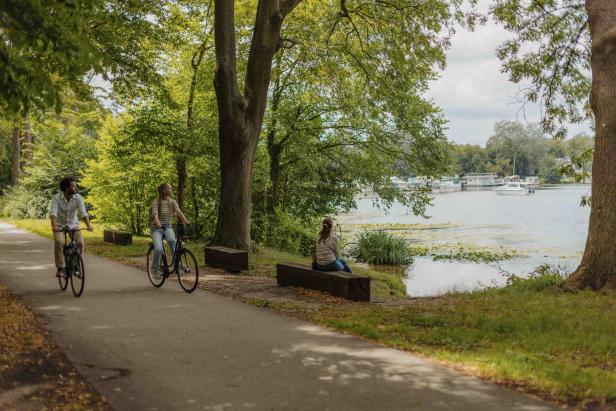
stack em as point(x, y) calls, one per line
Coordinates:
point(546, 227)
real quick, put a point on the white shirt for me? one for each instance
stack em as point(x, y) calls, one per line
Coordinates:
point(66, 211)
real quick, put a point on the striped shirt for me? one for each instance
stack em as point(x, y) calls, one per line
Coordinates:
point(168, 208)
point(327, 250)
point(66, 211)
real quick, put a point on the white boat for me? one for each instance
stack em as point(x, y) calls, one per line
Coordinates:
point(514, 188)
point(448, 183)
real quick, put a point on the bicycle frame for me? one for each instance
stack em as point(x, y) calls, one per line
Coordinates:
point(71, 246)
point(175, 262)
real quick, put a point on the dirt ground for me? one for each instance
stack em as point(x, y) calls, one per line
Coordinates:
point(34, 372)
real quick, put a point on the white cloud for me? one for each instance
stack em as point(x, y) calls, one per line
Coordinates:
point(473, 92)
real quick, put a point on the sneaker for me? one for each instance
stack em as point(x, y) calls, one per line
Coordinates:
point(60, 272)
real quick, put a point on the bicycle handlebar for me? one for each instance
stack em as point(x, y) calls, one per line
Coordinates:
point(66, 229)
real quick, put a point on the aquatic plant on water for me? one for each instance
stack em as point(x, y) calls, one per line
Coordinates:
point(381, 247)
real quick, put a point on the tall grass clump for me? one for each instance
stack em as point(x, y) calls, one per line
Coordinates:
point(381, 247)
point(543, 277)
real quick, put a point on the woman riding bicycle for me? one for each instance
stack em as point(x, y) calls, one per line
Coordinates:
point(163, 209)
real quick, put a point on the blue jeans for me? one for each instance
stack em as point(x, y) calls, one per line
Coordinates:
point(336, 265)
point(157, 239)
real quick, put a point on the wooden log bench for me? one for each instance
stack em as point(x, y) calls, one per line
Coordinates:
point(336, 283)
point(117, 237)
point(228, 258)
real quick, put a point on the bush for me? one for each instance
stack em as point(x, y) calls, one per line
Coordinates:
point(545, 276)
point(289, 235)
point(381, 247)
point(22, 203)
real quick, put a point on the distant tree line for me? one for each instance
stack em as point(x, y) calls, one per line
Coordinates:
point(534, 153)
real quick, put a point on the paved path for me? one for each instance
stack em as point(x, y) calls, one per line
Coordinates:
point(146, 348)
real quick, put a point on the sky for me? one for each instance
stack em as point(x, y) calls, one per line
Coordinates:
point(472, 91)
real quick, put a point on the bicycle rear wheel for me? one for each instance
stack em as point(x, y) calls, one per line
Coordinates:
point(188, 271)
point(156, 277)
point(63, 281)
point(78, 275)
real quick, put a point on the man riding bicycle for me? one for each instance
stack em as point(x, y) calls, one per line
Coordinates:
point(64, 208)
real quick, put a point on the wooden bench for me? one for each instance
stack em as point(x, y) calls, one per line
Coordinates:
point(337, 283)
point(228, 258)
point(117, 237)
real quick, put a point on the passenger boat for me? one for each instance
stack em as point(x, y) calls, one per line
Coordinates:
point(514, 188)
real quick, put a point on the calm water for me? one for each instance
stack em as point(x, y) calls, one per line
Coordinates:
point(547, 227)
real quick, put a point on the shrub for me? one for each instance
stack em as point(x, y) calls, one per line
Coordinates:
point(381, 247)
point(289, 235)
point(20, 203)
point(545, 276)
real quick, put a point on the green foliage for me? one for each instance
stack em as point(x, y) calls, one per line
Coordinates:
point(381, 247)
point(551, 51)
point(289, 235)
point(123, 177)
point(346, 110)
point(543, 277)
point(61, 148)
point(49, 45)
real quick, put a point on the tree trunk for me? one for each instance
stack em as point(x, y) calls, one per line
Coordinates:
point(27, 138)
point(598, 267)
point(180, 165)
point(15, 157)
point(181, 158)
point(240, 116)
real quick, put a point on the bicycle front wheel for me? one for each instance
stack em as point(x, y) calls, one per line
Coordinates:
point(78, 275)
point(155, 275)
point(63, 280)
point(188, 271)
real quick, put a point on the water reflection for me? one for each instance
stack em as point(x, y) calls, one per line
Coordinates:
point(426, 277)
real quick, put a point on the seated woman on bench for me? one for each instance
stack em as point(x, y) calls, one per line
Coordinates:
point(327, 254)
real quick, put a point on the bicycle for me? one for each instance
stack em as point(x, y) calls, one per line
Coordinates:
point(73, 263)
point(184, 264)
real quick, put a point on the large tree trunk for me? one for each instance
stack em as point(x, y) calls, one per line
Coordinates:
point(15, 157)
point(240, 116)
point(598, 267)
